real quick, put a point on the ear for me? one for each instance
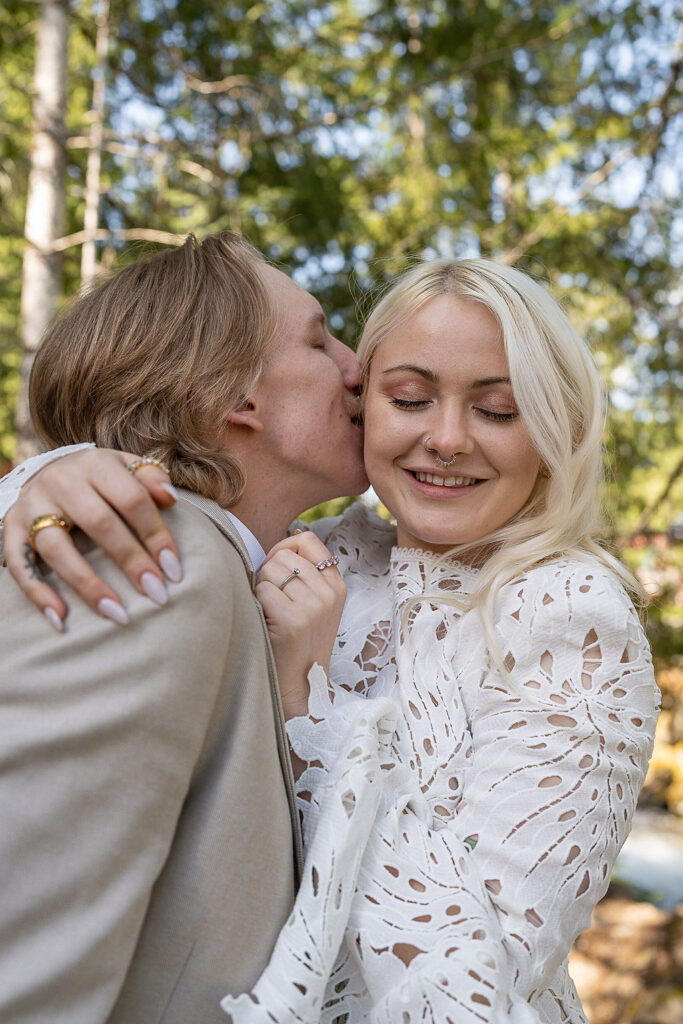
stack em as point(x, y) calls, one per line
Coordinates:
point(246, 415)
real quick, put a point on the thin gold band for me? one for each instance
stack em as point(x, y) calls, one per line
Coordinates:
point(147, 460)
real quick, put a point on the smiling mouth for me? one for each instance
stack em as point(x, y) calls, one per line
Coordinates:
point(444, 481)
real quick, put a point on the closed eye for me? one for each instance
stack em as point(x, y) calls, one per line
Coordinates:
point(500, 417)
point(404, 403)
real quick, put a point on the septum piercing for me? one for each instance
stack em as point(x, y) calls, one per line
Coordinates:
point(434, 452)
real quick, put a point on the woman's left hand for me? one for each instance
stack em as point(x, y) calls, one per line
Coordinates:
point(302, 614)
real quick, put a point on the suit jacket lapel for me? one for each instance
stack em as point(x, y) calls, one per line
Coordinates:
point(217, 515)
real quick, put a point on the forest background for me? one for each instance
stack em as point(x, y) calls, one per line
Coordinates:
point(348, 138)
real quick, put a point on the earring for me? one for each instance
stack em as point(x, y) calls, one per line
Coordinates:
point(435, 453)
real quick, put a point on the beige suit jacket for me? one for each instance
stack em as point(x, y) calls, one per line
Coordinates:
point(149, 846)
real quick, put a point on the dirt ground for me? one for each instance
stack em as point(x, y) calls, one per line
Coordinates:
point(628, 967)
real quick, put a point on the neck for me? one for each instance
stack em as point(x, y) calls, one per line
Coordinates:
point(267, 520)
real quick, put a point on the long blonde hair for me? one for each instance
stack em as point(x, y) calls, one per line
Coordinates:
point(151, 361)
point(558, 393)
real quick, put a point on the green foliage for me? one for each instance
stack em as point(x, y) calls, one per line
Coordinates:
point(348, 138)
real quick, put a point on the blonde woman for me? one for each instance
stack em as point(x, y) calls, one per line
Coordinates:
point(470, 760)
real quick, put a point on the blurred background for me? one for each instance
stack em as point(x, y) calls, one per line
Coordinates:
point(346, 139)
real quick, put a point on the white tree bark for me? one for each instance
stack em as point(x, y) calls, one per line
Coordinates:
point(92, 178)
point(45, 203)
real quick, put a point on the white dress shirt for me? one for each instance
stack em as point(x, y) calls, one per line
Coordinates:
point(254, 549)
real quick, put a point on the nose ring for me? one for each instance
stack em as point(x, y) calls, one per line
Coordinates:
point(435, 453)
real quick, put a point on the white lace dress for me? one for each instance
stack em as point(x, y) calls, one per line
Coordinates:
point(458, 832)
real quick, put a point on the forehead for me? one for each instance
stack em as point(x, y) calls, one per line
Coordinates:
point(448, 330)
point(295, 309)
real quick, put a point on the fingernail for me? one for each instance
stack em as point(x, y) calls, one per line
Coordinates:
point(171, 490)
point(154, 588)
point(297, 532)
point(113, 610)
point(170, 565)
point(54, 619)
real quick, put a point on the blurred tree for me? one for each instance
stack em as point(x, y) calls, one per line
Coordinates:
point(351, 137)
point(41, 283)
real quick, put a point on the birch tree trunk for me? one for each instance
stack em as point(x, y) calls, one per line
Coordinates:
point(45, 203)
point(92, 178)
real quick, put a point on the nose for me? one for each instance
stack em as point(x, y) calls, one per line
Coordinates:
point(348, 364)
point(449, 430)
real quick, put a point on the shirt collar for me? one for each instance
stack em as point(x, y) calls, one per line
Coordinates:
point(254, 549)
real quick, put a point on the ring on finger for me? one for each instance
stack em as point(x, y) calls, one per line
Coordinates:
point(327, 563)
point(42, 523)
point(293, 574)
point(146, 460)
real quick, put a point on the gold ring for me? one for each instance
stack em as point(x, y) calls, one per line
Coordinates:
point(293, 574)
point(42, 523)
point(147, 460)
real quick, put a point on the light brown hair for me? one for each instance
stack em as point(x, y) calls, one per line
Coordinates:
point(151, 361)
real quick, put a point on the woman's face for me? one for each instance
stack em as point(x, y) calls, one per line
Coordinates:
point(444, 373)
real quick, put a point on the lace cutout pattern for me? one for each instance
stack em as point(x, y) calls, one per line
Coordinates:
point(460, 829)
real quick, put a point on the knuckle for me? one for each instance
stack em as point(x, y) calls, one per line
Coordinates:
point(49, 541)
point(137, 499)
point(135, 564)
point(90, 587)
point(99, 519)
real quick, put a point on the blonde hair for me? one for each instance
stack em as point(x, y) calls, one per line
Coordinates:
point(558, 394)
point(151, 361)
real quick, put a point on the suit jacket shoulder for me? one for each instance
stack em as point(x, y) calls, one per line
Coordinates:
point(143, 796)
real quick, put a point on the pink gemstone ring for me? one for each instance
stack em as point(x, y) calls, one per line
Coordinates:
point(327, 563)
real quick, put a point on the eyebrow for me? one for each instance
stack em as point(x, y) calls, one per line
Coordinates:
point(422, 371)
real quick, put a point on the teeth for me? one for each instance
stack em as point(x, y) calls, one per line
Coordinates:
point(449, 481)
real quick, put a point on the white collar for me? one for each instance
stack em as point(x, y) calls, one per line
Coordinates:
point(254, 549)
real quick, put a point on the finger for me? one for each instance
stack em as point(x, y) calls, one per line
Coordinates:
point(286, 615)
point(129, 493)
point(28, 576)
point(154, 479)
point(306, 544)
point(108, 531)
point(279, 569)
point(109, 499)
point(284, 576)
point(56, 546)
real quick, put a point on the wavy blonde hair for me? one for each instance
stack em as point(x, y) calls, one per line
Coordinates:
point(151, 361)
point(559, 397)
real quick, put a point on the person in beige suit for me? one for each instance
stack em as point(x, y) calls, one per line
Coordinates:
point(149, 845)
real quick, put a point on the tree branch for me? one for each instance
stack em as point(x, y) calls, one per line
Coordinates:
point(127, 235)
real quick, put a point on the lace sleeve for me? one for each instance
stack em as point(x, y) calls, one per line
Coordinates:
point(11, 483)
point(558, 762)
point(481, 909)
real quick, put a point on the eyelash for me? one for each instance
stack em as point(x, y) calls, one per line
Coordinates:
point(403, 403)
point(499, 417)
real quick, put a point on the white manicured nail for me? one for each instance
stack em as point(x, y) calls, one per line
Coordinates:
point(54, 619)
point(171, 567)
point(154, 588)
point(171, 490)
point(113, 610)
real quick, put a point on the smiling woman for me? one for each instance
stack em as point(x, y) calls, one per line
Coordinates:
point(454, 410)
point(473, 760)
